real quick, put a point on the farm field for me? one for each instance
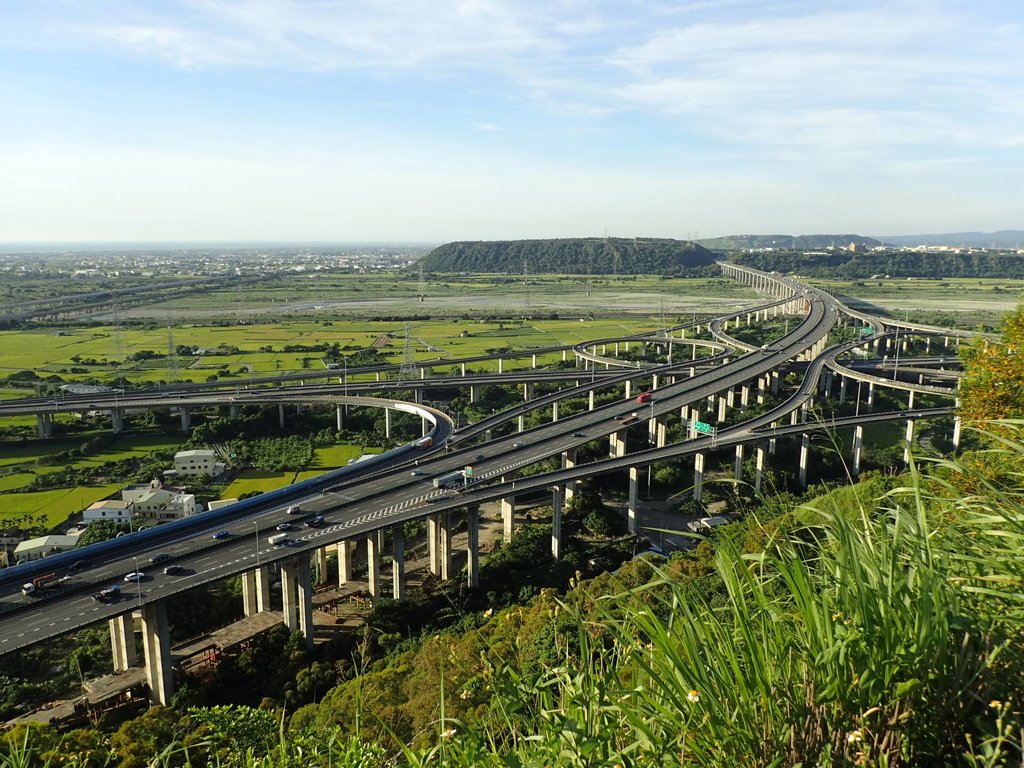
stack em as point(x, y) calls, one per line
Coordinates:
point(54, 505)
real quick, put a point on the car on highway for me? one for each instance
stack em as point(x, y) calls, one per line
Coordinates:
point(620, 417)
point(315, 522)
point(296, 510)
point(135, 576)
point(284, 527)
point(416, 473)
point(578, 434)
point(170, 570)
point(78, 565)
point(221, 535)
point(518, 444)
point(108, 594)
point(160, 557)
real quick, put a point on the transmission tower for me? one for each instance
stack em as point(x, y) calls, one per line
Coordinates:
point(172, 357)
point(408, 367)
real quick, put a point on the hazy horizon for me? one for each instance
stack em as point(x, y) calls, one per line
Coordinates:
point(289, 121)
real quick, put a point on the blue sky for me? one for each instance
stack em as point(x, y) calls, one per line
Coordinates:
point(435, 120)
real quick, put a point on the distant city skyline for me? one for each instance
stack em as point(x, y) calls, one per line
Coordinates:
point(414, 121)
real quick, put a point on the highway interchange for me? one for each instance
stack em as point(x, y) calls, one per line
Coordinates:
point(384, 497)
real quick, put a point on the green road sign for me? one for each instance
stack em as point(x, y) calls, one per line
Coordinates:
point(702, 426)
point(867, 331)
point(468, 471)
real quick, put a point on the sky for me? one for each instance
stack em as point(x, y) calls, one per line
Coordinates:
point(439, 120)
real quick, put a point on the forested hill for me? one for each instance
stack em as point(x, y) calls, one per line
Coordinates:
point(856, 266)
point(576, 256)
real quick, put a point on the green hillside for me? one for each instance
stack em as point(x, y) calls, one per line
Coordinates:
point(576, 256)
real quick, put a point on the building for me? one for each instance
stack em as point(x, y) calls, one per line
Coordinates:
point(220, 503)
point(34, 549)
point(110, 509)
point(197, 462)
point(155, 504)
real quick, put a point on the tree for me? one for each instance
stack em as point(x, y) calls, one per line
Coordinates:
point(993, 383)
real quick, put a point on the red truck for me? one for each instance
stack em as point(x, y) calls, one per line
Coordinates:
point(644, 397)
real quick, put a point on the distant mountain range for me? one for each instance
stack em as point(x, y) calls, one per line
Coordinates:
point(792, 242)
point(1006, 238)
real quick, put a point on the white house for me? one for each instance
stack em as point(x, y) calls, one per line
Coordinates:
point(34, 549)
point(202, 461)
point(161, 505)
point(110, 509)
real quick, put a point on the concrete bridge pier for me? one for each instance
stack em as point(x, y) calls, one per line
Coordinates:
point(760, 390)
point(759, 467)
point(387, 422)
point(521, 422)
point(698, 476)
point(722, 407)
point(617, 444)
point(631, 508)
point(463, 367)
point(568, 462)
point(629, 389)
point(774, 388)
point(433, 544)
point(554, 411)
point(745, 395)
point(858, 445)
point(590, 397)
point(122, 642)
point(320, 560)
point(289, 594)
point(156, 646)
point(910, 401)
point(398, 562)
point(501, 365)
point(444, 530)
point(842, 389)
point(474, 393)
point(908, 440)
point(117, 420)
point(373, 575)
point(533, 361)
point(305, 602)
point(44, 425)
point(507, 506)
point(956, 429)
point(186, 417)
point(557, 497)
point(345, 550)
point(871, 396)
point(805, 450)
point(737, 464)
point(528, 390)
point(473, 546)
point(280, 415)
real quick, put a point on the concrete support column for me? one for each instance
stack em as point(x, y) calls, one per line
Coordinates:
point(305, 603)
point(398, 563)
point(473, 546)
point(634, 487)
point(445, 541)
point(557, 498)
point(568, 462)
point(774, 388)
point(44, 425)
point(156, 646)
point(737, 464)
point(507, 506)
point(617, 444)
point(521, 423)
point(463, 365)
point(842, 389)
point(289, 577)
point(629, 389)
point(759, 467)
point(280, 415)
point(433, 547)
point(339, 422)
point(590, 397)
point(320, 558)
point(501, 365)
point(909, 441)
point(117, 420)
point(249, 593)
point(760, 390)
point(698, 476)
point(805, 450)
point(722, 405)
point(745, 395)
point(474, 394)
point(373, 565)
point(186, 418)
point(387, 422)
point(528, 390)
point(554, 411)
point(122, 642)
point(344, 551)
point(871, 395)
point(858, 444)
point(661, 436)
point(956, 429)
point(910, 401)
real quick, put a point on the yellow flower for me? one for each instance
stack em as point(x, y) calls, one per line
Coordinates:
point(996, 704)
point(854, 737)
point(488, 613)
point(693, 697)
point(464, 695)
point(448, 733)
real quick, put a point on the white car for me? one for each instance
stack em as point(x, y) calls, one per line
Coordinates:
point(135, 576)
